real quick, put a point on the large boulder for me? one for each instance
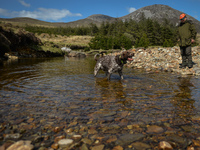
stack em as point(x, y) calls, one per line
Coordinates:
point(76, 54)
point(28, 39)
point(4, 45)
point(22, 43)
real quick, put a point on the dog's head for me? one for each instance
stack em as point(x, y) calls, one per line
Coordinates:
point(126, 56)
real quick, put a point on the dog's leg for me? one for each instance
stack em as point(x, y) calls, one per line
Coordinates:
point(106, 72)
point(96, 69)
point(109, 72)
point(121, 74)
point(108, 76)
point(95, 72)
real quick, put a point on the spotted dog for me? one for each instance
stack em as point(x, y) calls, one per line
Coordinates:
point(110, 64)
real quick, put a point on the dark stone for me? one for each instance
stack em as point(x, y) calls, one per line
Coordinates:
point(129, 138)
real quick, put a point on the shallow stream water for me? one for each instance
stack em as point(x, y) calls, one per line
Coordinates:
point(40, 94)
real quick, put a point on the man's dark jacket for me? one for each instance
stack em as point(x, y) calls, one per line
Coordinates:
point(186, 32)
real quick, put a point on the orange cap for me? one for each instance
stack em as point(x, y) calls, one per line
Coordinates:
point(182, 16)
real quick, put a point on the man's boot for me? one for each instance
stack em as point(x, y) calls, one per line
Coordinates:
point(190, 63)
point(184, 63)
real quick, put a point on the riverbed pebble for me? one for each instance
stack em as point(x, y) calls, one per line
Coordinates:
point(163, 145)
point(21, 145)
point(64, 143)
point(154, 129)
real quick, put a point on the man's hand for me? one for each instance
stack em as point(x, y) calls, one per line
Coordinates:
point(192, 40)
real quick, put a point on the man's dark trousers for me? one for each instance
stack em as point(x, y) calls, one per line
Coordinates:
point(186, 56)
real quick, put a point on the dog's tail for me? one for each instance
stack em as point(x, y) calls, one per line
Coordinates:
point(95, 56)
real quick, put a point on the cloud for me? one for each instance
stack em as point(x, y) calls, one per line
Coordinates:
point(24, 3)
point(4, 12)
point(131, 9)
point(40, 13)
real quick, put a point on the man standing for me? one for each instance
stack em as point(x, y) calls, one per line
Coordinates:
point(187, 35)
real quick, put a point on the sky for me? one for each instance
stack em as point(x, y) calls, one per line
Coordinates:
point(73, 10)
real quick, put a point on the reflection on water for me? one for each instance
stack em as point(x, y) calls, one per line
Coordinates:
point(71, 81)
point(111, 90)
point(183, 101)
point(64, 90)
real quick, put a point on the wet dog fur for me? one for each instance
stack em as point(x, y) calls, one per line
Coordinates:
point(110, 64)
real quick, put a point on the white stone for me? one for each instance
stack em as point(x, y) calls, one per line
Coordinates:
point(65, 142)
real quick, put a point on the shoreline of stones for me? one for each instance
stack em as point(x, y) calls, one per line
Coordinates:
point(164, 59)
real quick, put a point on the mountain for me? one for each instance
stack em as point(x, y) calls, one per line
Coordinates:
point(156, 12)
point(160, 13)
point(101, 18)
point(25, 20)
point(95, 19)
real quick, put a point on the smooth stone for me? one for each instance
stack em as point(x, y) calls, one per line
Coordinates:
point(196, 142)
point(63, 143)
point(177, 139)
point(70, 130)
point(55, 146)
point(196, 117)
point(13, 136)
point(197, 72)
point(86, 141)
point(140, 145)
point(58, 138)
point(57, 129)
point(112, 113)
point(21, 145)
point(154, 129)
point(117, 148)
point(92, 131)
point(188, 129)
point(129, 138)
point(76, 137)
point(84, 147)
point(163, 145)
point(98, 147)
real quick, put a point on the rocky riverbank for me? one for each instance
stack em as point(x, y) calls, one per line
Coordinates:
point(164, 59)
point(18, 43)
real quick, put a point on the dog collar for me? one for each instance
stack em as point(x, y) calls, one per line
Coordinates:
point(121, 59)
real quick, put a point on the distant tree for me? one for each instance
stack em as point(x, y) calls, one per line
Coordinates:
point(142, 42)
point(150, 31)
point(168, 43)
point(94, 29)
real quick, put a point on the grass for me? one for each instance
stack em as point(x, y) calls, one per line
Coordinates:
point(66, 40)
point(54, 43)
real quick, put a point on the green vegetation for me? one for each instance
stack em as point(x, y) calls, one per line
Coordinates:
point(138, 34)
point(62, 30)
point(119, 34)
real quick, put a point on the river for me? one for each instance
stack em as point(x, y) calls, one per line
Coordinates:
point(39, 95)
